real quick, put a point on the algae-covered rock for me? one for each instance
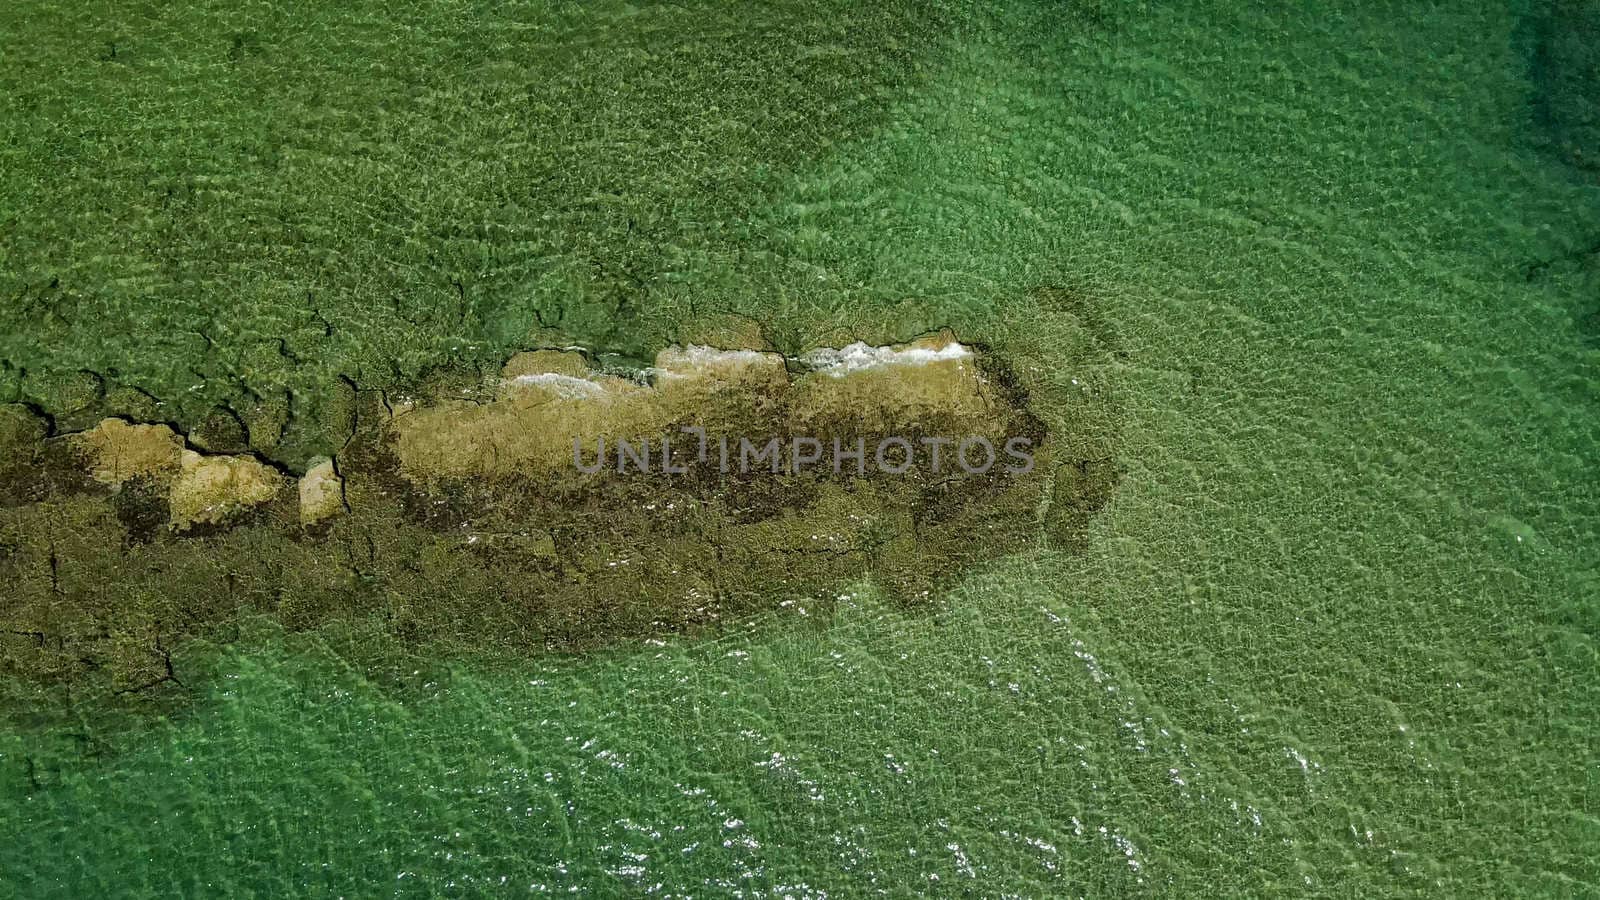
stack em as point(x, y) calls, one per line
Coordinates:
point(69, 395)
point(127, 402)
point(221, 431)
point(266, 420)
point(726, 330)
point(22, 435)
point(714, 482)
point(20, 431)
point(464, 514)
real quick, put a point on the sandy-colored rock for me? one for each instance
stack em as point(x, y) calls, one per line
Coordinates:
point(119, 451)
point(200, 488)
point(540, 362)
point(717, 388)
point(931, 384)
point(698, 362)
point(209, 489)
point(550, 400)
point(321, 493)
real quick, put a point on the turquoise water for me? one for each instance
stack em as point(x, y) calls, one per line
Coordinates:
point(1334, 635)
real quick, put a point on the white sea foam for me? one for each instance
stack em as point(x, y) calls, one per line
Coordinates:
point(861, 355)
point(567, 387)
point(676, 362)
point(686, 362)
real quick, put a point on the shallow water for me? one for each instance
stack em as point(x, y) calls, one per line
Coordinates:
point(1333, 635)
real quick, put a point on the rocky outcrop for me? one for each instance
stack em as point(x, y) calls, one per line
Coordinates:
point(321, 493)
point(546, 403)
point(199, 489)
point(212, 489)
point(461, 513)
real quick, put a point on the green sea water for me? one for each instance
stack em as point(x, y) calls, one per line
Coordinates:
point(1334, 635)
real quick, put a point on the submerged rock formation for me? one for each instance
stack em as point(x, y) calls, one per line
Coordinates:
point(548, 406)
point(554, 504)
point(720, 479)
